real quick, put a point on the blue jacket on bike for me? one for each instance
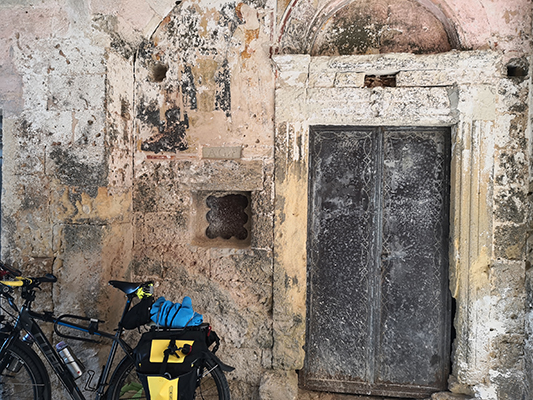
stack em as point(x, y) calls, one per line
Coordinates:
point(174, 315)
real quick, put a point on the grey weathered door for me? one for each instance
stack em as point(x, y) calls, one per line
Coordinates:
point(378, 302)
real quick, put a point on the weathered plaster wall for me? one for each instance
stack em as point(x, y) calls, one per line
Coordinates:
point(64, 209)
point(116, 117)
point(121, 117)
point(528, 364)
point(203, 85)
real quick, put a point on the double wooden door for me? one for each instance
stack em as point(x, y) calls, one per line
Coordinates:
point(378, 319)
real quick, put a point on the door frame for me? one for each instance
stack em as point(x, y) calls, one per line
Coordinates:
point(452, 90)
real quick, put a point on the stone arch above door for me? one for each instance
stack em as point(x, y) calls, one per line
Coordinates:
point(352, 27)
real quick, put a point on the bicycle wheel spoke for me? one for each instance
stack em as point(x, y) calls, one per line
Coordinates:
point(22, 378)
point(18, 387)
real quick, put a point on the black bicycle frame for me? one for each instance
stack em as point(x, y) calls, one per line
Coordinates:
point(26, 322)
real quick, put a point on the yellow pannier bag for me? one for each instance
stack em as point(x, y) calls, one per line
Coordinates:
point(166, 388)
point(158, 347)
point(167, 361)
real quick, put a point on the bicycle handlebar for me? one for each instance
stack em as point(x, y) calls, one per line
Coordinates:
point(21, 281)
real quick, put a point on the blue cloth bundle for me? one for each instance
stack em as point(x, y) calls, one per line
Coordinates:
point(175, 315)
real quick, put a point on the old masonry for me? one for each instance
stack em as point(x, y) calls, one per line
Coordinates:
point(343, 187)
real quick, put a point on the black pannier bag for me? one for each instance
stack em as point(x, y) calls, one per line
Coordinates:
point(139, 314)
point(167, 360)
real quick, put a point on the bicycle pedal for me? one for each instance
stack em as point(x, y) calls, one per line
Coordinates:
point(90, 374)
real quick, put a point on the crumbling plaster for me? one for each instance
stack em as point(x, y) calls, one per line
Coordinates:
point(83, 199)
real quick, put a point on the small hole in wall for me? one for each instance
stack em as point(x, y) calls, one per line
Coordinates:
point(515, 71)
point(227, 217)
point(380, 81)
point(159, 72)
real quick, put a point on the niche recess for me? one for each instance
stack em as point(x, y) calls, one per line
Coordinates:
point(223, 219)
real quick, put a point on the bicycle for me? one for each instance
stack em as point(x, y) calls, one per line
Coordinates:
point(23, 374)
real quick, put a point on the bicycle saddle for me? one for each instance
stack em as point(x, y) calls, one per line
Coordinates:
point(126, 287)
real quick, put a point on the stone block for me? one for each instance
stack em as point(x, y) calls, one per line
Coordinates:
point(82, 166)
point(389, 106)
point(507, 352)
point(75, 56)
point(510, 204)
point(446, 76)
point(225, 175)
point(293, 70)
point(450, 396)
point(262, 231)
point(23, 142)
point(297, 98)
point(507, 280)
point(509, 241)
point(350, 79)
point(78, 92)
point(321, 79)
point(510, 385)
point(478, 102)
point(277, 385)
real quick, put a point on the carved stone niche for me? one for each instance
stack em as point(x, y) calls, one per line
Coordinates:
point(223, 219)
point(342, 27)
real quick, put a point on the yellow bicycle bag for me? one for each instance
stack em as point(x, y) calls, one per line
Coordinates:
point(167, 361)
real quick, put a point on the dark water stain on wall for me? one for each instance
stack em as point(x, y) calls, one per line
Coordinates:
point(188, 88)
point(80, 238)
point(149, 113)
point(172, 131)
point(72, 171)
point(223, 89)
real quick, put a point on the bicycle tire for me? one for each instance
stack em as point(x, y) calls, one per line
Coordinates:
point(23, 375)
point(125, 384)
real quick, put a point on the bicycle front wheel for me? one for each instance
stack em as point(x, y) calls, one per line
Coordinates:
point(211, 383)
point(23, 375)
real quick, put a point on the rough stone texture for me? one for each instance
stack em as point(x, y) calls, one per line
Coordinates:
point(449, 396)
point(279, 385)
point(108, 105)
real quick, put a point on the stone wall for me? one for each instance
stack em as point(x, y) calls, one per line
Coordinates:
point(121, 119)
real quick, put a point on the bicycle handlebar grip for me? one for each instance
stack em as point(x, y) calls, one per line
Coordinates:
point(48, 278)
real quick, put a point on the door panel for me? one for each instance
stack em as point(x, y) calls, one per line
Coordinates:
point(345, 197)
point(378, 303)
